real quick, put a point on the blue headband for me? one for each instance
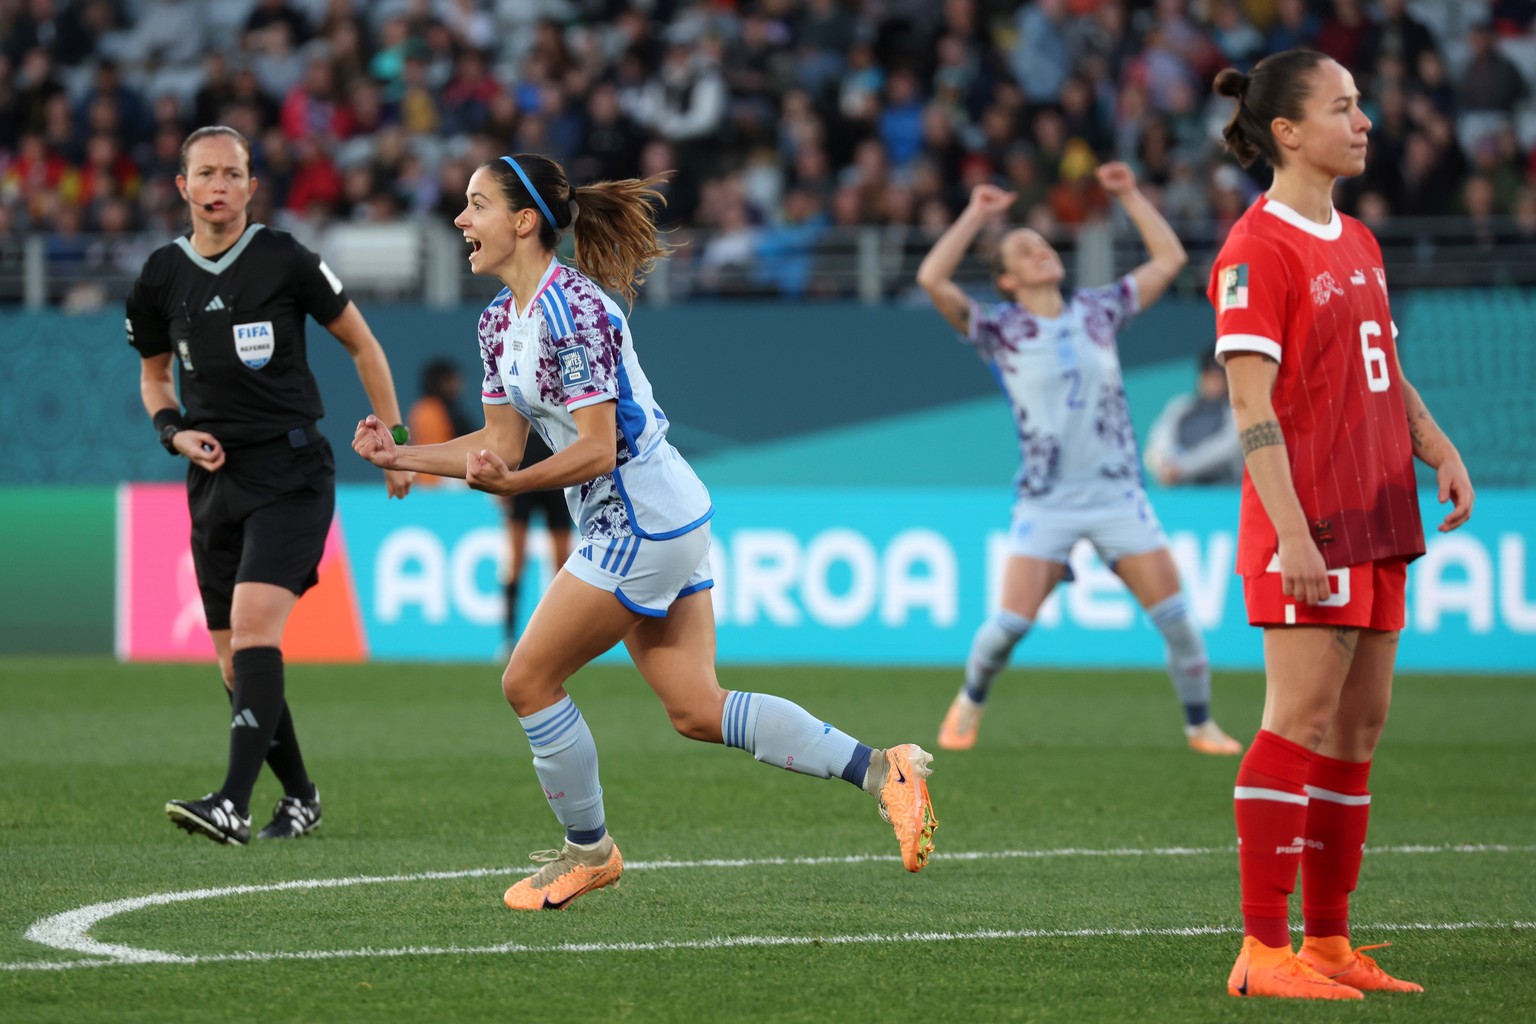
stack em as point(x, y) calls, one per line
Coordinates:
point(532, 191)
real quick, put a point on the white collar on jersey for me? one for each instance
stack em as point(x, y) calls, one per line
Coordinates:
point(1327, 232)
point(549, 272)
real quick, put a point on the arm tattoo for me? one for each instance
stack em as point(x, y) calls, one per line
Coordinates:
point(1418, 432)
point(1262, 435)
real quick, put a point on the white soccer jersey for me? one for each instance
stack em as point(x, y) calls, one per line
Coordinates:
point(1062, 378)
point(571, 349)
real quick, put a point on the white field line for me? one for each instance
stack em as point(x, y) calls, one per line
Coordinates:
point(69, 931)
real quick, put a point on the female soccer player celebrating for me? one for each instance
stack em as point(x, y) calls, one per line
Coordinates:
point(559, 359)
point(1330, 519)
point(1081, 476)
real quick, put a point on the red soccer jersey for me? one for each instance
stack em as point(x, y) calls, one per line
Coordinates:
point(1313, 297)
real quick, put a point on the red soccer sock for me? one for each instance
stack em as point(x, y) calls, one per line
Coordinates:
point(1338, 809)
point(1270, 802)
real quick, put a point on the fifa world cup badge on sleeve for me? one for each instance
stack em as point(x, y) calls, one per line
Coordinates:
point(574, 368)
point(1234, 287)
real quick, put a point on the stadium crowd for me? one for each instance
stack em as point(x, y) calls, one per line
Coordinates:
point(780, 118)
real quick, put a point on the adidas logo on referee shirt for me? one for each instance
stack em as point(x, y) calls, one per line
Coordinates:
point(217, 303)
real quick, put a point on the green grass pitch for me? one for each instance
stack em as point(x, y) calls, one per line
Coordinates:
point(1086, 868)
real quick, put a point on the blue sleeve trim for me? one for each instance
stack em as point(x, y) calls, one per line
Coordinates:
point(640, 608)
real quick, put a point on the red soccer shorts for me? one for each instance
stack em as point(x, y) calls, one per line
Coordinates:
point(1371, 595)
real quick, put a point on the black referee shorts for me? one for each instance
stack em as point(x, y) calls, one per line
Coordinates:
point(557, 515)
point(261, 518)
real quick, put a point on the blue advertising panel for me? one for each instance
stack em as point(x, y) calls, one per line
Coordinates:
point(903, 576)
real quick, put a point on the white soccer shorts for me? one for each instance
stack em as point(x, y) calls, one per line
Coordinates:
point(645, 575)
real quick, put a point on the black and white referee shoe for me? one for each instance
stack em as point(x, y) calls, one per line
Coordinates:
point(293, 817)
point(213, 816)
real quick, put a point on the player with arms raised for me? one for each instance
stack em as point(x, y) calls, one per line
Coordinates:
point(1056, 359)
point(1329, 519)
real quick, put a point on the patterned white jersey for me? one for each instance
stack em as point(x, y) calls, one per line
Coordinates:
point(571, 349)
point(1062, 378)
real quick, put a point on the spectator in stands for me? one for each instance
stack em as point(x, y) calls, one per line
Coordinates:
point(311, 108)
point(1345, 34)
point(268, 13)
point(1512, 17)
point(1194, 439)
point(1294, 26)
point(316, 187)
point(468, 95)
point(1234, 35)
point(901, 120)
point(1491, 82)
point(611, 144)
point(1434, 84)
point(1397, 33)
point(1041, 59)
point(36, 84)
point(133, 123)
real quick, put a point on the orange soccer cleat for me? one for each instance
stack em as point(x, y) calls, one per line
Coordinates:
point(1276, 972)
point(567, 873)
point(1332, 958)
point(904, 802)
point(961, 723)
point(1207, 738)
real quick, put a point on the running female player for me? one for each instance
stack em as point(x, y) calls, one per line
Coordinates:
point(560, 360)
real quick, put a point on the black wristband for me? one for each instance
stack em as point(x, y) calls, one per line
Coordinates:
point(168, 423)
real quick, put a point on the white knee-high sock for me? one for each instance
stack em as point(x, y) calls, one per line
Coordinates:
point(990, 648)
point(565, 759)
point(1188, 666)
point(779, 732)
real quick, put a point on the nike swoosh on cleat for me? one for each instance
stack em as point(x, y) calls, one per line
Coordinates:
point(550, 904)
point(899, 776)
point(1242, 989)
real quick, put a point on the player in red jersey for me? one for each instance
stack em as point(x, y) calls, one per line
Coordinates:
point(1329, 427)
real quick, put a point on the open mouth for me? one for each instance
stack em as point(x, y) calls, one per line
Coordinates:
point(474, 245)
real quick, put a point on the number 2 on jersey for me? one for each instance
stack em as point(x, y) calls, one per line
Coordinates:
point(1075, 396)
point(1376, 376)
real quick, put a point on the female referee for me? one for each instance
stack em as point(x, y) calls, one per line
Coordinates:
point(1329, 518)
point(228, 304)
point(559, 357)
point(1056, 361)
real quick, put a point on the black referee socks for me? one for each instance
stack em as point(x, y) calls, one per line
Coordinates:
point(258, 708)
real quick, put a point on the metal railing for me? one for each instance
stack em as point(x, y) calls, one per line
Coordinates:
point(424, 261)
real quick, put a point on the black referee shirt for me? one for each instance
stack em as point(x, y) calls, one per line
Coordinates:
point(236, 325)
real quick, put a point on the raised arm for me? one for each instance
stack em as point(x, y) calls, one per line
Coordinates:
point(1434, 449)
point(1167, 253)
point(373, 370)
point(1251, 382)
point(935, 275)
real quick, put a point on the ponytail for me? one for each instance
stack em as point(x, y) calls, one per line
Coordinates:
point(617, 242)
point(1277, 88)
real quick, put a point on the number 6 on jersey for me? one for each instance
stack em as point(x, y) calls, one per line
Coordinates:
point(1376, 376)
